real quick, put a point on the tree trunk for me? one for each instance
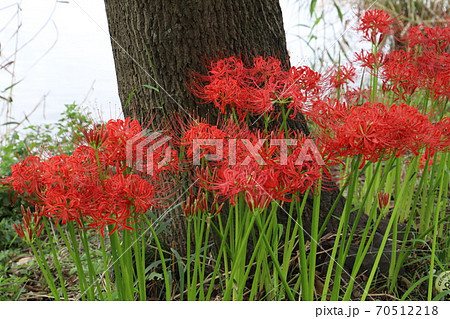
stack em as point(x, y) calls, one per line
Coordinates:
point(159, 42)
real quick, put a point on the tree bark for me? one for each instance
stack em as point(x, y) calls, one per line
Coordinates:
point(159, 42)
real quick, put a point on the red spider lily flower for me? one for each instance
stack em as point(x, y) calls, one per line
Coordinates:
point(31, 226)
point(229, 182)
point(96, 136)
point(265, 69)
point(264, 167)
point(119, 132)
point(327, 113)
point(441, 86)
point(433, 69)
point(409, 131)
point(256, 89)
point(26, 176)
point(441, 141)
point(141, 192)
point(399, 74)
point(375, 25)
point(370, 60)
point(301, 86)
point(257, 202)
point(199, 204)
point(374, 130)
point(342, 76)
point(194, 203)
point(89, 186)
point(225, 144)
point(125, 198)
point(383, 199)
point(222, 86)
point(356, 96)
point(154, 155)
point(432, 38)
point(424, 65)
point(198, 133)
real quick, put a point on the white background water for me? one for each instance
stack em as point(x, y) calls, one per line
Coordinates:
point(64, 56)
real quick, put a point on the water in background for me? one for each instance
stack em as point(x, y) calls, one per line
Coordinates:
point(64, 56)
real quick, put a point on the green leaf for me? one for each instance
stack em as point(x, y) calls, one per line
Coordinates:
point(317, 22)
point(129, 98)
point(312, 6)
point(150, 87)
point(155, 275)
point(338, 11)
point(11, 86)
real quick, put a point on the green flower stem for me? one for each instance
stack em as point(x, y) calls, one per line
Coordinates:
point(261, 274)
point(139, 253)
point(222, 252)
point(45, 269)
point(363, 245)
point(125, 285)
point(127, 257)
point(430, 195)
point(163, 264)
point(239, 250)
point(342, 229)
point(374, 76)
point(362, 252)
point(387, 232)
point(289, 241)
point(360, 255)
point(92, 273)
point(56, 260)
point(76, 256)
point(285, 114)
point(354, 173)
point(118, 278)
point(199, 230)
point(106, 273)
point(441, 180)
point(205, 247)
point(446, 199)
point(307, 291)
point(190, 293)
point(260, 255)
point(314, 237)
point(81, 275)
point(330, 213)
point(274, 258)
point(275, 232)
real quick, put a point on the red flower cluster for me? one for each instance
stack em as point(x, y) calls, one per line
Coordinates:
point(369, 60)
point(424, 65)
point(257, 89)
point(93, 186)
point(260, 167)
point(342, 76)
point(430, 38)
point(400, 74)
point(377, 131)
point(375, 25)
